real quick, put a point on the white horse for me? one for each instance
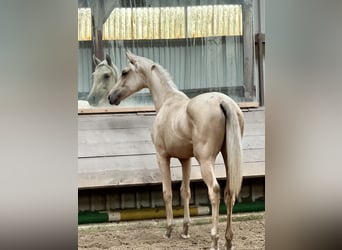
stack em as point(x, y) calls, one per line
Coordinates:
point(201, 127)
point(104, 78)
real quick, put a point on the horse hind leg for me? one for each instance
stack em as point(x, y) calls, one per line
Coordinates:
point(208, 175)
point(229, 201)
point(186, 195)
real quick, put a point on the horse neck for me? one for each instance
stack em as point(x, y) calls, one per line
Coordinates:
point(162, 88)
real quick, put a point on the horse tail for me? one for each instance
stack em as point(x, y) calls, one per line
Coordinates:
point(234, 131)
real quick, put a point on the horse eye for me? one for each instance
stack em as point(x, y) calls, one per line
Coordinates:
point(106, 76)
point(124, 72)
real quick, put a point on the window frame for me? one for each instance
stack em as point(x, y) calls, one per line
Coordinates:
point(251, 98)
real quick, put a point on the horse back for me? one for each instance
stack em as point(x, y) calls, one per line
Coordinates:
point(205, 108)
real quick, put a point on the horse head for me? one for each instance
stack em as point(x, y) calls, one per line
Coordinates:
point(130, 81)
point(104, 78)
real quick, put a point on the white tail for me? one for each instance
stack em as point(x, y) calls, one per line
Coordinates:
point(234, 149)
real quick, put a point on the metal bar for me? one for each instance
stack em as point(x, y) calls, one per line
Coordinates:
point(260, 41)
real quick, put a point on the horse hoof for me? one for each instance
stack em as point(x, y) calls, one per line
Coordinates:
point(214, 248)
point(229, 248)
point(167, 235)
point(185, 236)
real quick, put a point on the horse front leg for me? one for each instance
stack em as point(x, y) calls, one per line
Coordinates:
point(186, 195)
point(164, 166)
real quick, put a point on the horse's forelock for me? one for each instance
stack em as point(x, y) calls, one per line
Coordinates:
point(144, 63)
point(102, 64)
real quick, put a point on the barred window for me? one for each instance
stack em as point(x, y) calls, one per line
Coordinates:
point(202, 46)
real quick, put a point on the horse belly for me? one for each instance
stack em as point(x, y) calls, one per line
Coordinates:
point(179, 148)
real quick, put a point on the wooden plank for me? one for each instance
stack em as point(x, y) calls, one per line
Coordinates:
point(119, 121)
point(254, 129)
point(112, 150)
point(253, 142)
point(134, 143)
point(248, 104)
point(115, 121)
point(128, 156)
point(115, 109)
point(118, 109)
point(114, 136)
point(130, 134)
point(252, 117)
point(152, 176)
point(108, 148)
point(148, 161)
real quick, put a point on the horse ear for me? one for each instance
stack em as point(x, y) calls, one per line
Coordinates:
point(96, 60)
point(131, 57)
point(109, 60)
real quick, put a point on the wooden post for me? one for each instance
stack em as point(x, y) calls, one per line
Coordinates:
point(97, 39)
point(248, 49)
point(97, 13)
point(100, 11)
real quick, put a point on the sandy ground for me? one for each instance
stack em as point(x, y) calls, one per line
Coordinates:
point(249, 233)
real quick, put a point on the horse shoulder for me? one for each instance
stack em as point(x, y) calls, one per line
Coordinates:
point(171, 131)
point(157, 128)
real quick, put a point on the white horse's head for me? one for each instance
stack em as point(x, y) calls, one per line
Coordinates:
point(104, 78)
point(132, 79)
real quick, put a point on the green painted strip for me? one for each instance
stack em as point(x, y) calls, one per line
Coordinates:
point(92, 217)
point(256, 206)
point(135, 214)
point(244, 207)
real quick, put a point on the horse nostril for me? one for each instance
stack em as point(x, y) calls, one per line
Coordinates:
point(109, 98)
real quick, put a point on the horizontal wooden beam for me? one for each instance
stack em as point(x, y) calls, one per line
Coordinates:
point(126, 177)
point(248, 104)
point(84, 111)
point(116, 110)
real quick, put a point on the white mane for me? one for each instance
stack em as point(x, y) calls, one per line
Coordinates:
point(163, 73)
point(165, 76)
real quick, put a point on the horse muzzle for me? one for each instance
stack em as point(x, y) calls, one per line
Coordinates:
point(114, 99)
point(92, 100)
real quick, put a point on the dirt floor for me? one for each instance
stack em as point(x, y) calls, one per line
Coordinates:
point(249, 233)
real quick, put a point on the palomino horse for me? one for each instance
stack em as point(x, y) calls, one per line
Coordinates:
point(201, 127)
point(104, 78)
